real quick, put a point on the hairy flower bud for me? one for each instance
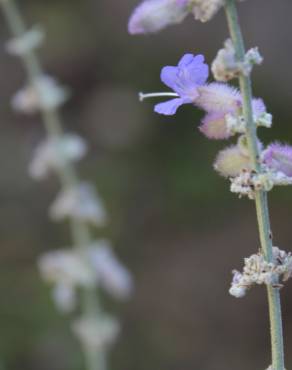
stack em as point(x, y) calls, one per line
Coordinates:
point(154, 15)
point(231, 161)
point(278, 157)
point(81, 203)
point(218, 97)
point(44, 94)
point(226, 66)
point(52, 154)
point(214, 126)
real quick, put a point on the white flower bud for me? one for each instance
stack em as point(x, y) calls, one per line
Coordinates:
point(66, 267)
point(80, 202)
point(53, 154)
point(43, 94)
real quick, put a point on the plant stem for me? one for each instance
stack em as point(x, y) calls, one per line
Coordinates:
point(81, 236)
point(261, 200)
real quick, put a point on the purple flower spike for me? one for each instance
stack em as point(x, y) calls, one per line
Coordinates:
point(279, 158)
point(154, 15)
point(184, 80)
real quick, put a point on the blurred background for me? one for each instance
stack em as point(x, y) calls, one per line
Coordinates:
point(173, 221)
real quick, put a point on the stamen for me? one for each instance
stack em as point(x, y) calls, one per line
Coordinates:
point(143, 96)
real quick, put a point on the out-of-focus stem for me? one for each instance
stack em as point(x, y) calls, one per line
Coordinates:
point(68, 177)
point(261, 200)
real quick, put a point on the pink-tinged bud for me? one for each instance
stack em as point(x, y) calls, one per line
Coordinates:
point(231, 161)
point(218, 97)
point(154, 15)
point(214, 126)
point(279, 158)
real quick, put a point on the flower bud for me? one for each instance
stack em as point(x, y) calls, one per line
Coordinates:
point(278, 157)
point(154, 15)
point(218, 97)
point(214, 126)
point(231, 161)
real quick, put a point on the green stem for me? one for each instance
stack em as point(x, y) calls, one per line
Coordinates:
point(261, 200)
point(68, 177)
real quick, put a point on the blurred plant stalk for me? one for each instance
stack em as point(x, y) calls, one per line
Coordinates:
point(261, 199)
point(81, 235)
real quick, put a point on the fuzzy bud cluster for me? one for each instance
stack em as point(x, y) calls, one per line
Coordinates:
point(43, 94)
point(154, 15)
point(52, 154)
point(248, 182)
point(257, 270)
point(80, 202)
point(276, 167)
point(226, 66)
point(69, 269)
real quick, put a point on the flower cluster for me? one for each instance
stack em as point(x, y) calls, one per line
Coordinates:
point(252, 168)
point(276, 167)
point(224, 118)
point(69, 269)
point(221, 102)
point(225, 67)
point(74, 273)
point(43, 94)
point(47, 156)
point(80, 202)
point(257, 270)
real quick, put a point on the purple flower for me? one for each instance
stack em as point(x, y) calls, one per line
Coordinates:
point(279, 158)
point(154, 15)
point(221, 102)
point(184, 79)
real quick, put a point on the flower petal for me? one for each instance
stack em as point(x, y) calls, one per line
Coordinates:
point(192, 71)
point(154, 15)
point(185, 60)
point(169, 107)
point(169, 76)
point(184, 79)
